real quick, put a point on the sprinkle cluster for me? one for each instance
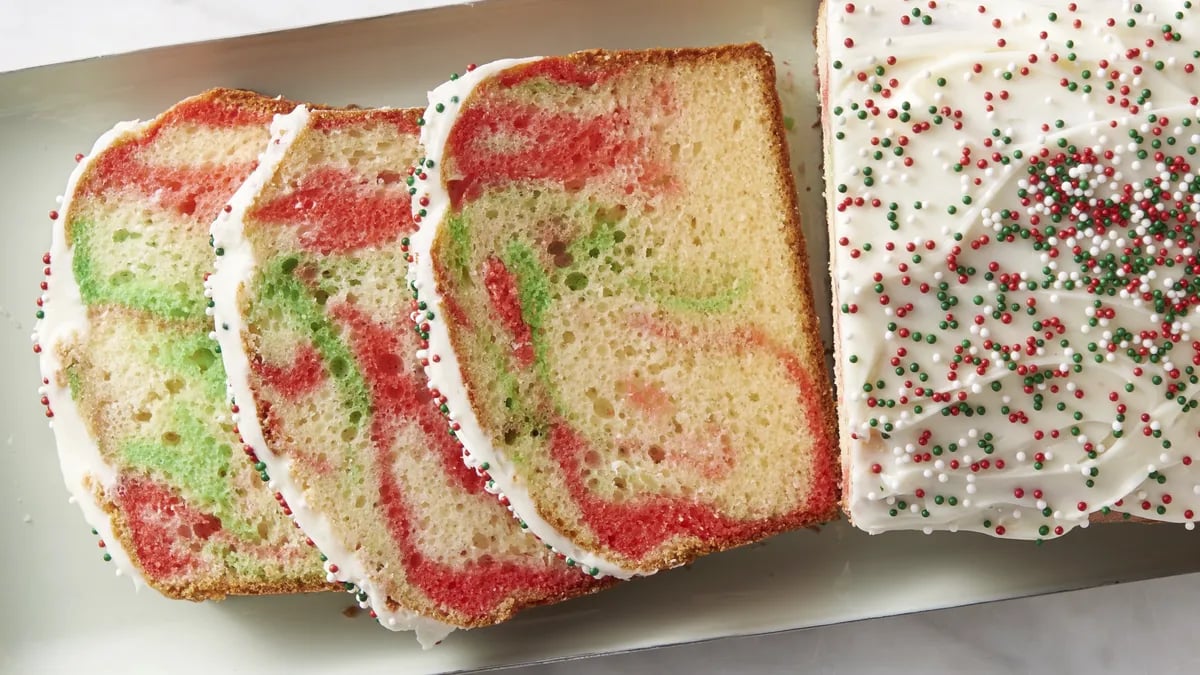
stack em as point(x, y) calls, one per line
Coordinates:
point(1014, 205)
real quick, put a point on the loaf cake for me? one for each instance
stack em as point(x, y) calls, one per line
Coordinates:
point(613, 302)
point(131, 380)
point(1013, 209)
point(312, 314)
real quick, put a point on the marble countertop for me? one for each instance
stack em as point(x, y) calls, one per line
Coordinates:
point(1138, 627)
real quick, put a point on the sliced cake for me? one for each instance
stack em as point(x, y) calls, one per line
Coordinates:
point(312, 313)
point(613, 302)
point(1013, 206)
point(131, 379)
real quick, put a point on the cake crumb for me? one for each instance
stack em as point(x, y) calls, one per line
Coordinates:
point(351, 611)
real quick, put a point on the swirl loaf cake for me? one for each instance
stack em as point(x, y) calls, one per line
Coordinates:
point(1013, 207)
point(312, 313)
point(131, 378)
point(613, 301)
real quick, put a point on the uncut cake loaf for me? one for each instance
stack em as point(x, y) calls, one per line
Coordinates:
point(612, 298)
point(312, 314)
point(133, 383)
point(1013, 209)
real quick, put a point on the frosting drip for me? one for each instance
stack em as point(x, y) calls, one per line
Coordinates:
point(64, 320)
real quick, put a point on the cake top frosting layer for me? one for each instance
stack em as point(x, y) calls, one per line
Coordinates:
point(1013, 207)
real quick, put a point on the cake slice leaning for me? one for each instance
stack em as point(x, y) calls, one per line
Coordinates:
point(312, 314)
point(131, 379)
point(614, 302)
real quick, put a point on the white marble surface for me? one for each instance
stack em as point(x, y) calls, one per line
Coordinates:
point(1141, 627)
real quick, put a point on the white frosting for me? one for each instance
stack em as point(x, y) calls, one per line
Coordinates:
point(65, 320)
point(232, 270)
point(958, 60)
point(443, 368)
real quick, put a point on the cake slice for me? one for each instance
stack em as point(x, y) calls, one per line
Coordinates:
point(131, 379)
point(312, 313)
point(613, 302)
point(1013, 208)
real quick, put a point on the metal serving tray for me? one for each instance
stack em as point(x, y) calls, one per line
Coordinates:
point(65, 611)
